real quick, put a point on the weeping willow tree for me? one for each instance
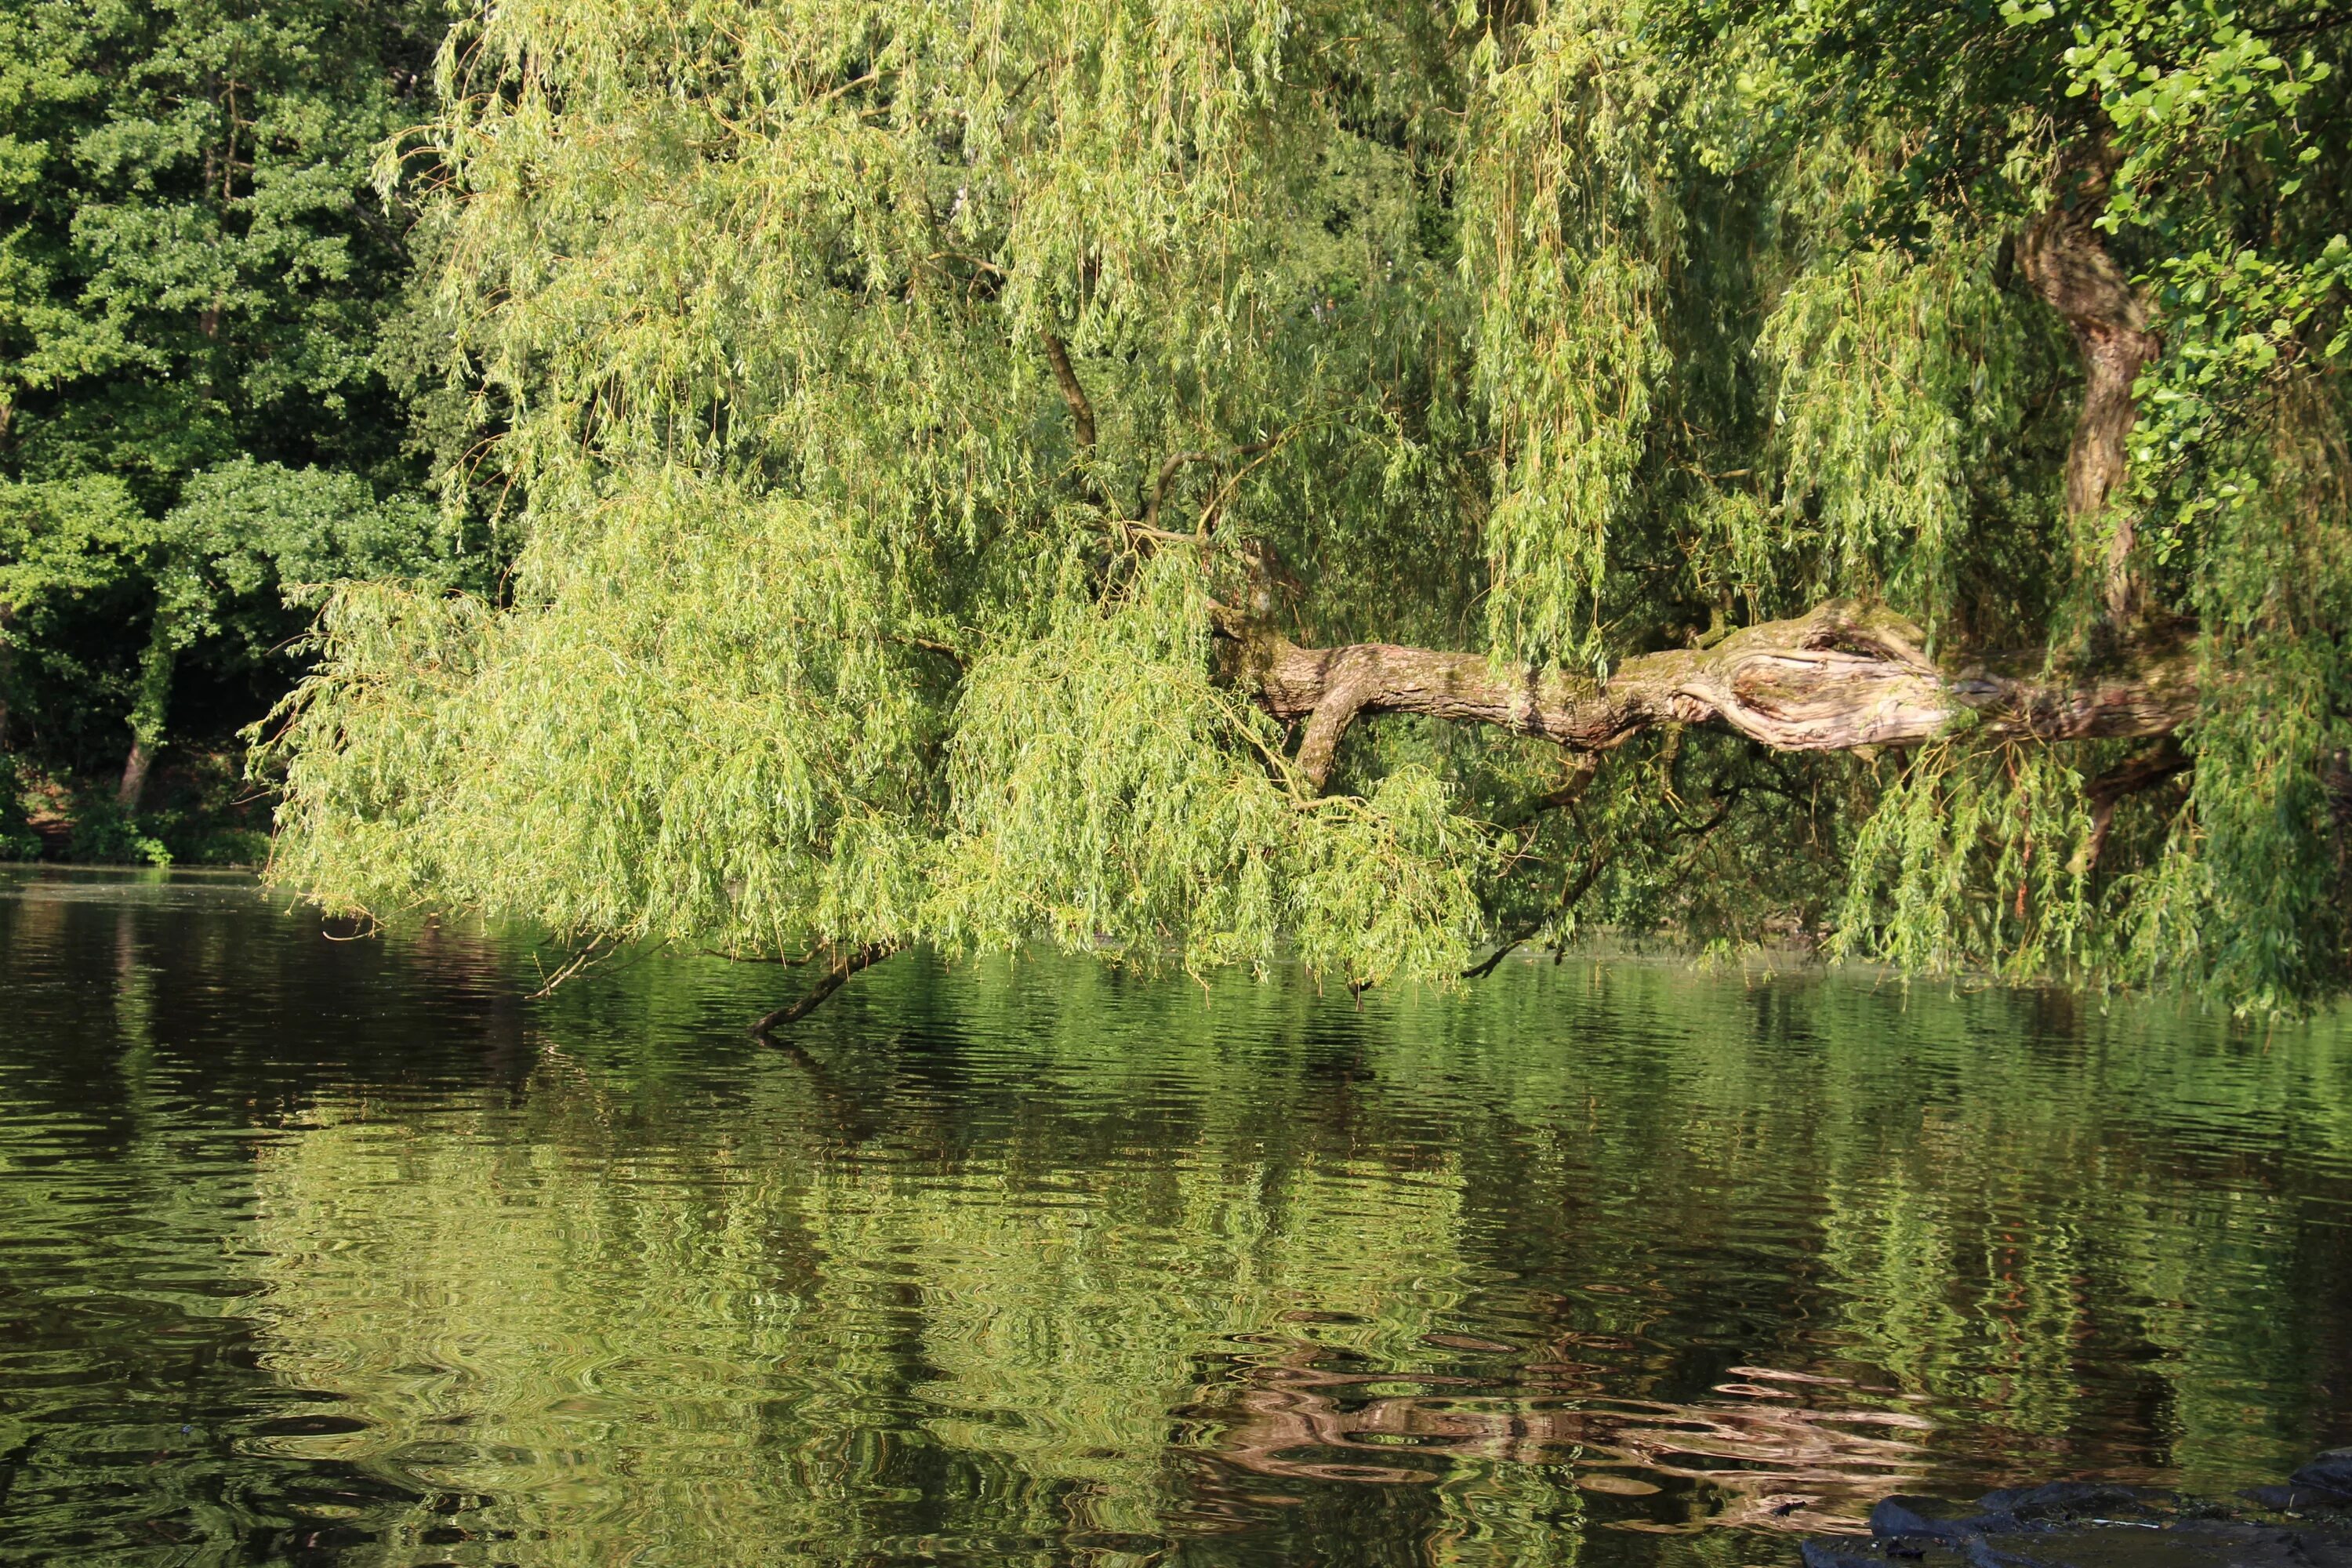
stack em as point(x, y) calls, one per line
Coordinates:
point(1221, 481)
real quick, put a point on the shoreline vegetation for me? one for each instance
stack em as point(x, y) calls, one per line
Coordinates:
point(1201, 483)
point(200, 811)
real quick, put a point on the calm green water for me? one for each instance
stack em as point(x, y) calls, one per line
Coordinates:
point(344, 1252)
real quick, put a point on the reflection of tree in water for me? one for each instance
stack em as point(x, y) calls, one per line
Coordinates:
point(1766, 1454)
point(1078, 1267)
point(1041, 1262)
point(752, 1334)
point(157, 1026)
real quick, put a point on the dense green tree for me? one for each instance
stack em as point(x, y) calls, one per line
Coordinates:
point(1871, 468)
point(193, 272)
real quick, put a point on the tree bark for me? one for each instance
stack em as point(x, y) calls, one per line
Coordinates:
point(147, 710)
point(7, 666)
point(1082, 408)
point(1840, 677)
point(2065, 258)
point(135, 766)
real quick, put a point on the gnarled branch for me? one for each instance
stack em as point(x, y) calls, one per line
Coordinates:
point(1840, 677)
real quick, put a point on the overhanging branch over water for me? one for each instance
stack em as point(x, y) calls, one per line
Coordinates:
point(1839, 678)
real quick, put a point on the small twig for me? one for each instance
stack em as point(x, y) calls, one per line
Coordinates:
point(1706, 828)
point(977, 263)
point(1581, 767)
point(1569, 897)
point(1257, 452)
point(1034, 71)
point(573, 967)
point(871, 76)
point(1167, 471)
point(596, 952)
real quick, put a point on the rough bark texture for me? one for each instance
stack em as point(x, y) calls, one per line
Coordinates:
point(1837, 678)
point(2065, 258)
point(132, 790)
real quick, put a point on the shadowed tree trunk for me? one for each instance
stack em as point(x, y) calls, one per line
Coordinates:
point(7, 663)
point(147, 710)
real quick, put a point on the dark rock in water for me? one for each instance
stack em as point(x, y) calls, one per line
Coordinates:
point(1915, 1519)
point(2066, 1499)
point(2306, 1524)
point(2295, 1499)
point(2332, 1471)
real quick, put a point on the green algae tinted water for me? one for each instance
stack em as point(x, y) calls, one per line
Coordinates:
point(328, 1252)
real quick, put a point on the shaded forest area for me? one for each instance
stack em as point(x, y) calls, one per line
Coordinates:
point(208, 395)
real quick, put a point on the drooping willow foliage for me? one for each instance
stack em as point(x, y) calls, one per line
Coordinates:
point(899, 406)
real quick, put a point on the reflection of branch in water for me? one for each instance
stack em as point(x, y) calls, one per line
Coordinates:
point(853, 1117)
point(1779, 1461)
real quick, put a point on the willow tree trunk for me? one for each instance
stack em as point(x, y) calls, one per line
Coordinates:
point(2066, 260)
point(148, 706)
point(1843, 675)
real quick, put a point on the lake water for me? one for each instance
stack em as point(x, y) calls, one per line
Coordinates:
point(316, 1251)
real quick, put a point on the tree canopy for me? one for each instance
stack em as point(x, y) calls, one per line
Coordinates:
point(1216, 480)
point(197, 402)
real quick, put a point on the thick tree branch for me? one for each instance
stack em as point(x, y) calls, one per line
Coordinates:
point(1840, 677)
point(1082, 411)
point(1350, 680)
point(2065, 258)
